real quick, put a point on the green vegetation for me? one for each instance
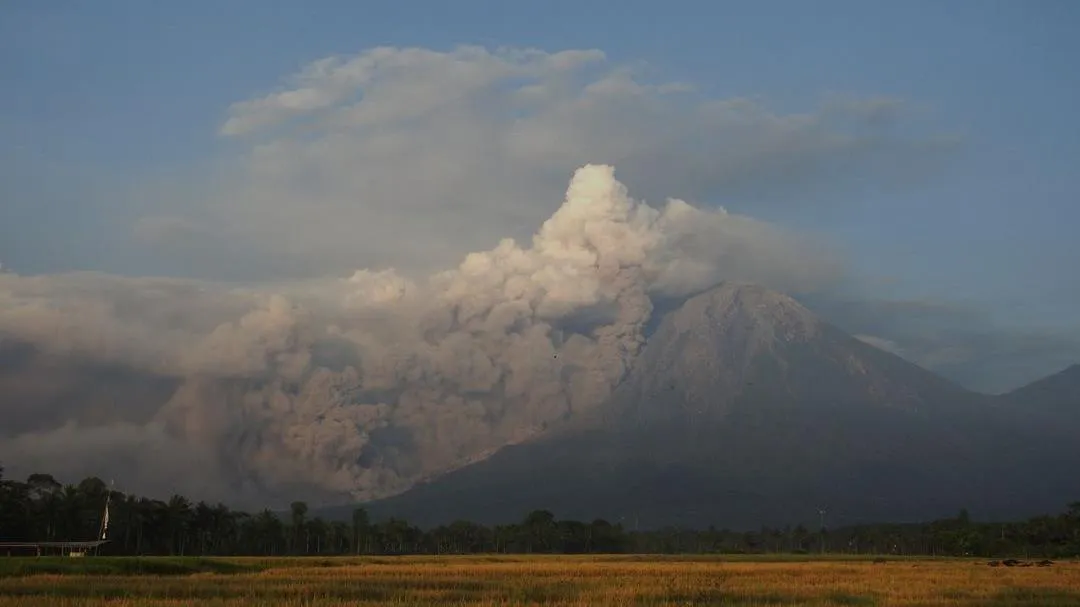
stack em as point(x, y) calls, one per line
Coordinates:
point(41, 509)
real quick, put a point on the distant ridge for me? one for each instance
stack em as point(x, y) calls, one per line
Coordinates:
point(1061, 388)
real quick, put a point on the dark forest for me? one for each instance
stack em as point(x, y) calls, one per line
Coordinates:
point(41, 509)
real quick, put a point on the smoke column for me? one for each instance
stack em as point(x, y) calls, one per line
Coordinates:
point(359, 387)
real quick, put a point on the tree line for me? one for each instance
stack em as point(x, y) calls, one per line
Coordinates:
point(41, 509)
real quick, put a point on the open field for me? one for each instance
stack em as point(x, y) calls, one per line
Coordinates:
point(548, 580)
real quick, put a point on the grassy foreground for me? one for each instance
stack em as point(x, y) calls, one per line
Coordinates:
point(548, 580)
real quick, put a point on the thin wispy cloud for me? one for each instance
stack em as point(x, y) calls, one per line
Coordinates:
point(409, 157)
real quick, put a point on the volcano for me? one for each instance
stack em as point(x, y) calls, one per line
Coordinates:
point(745, 409)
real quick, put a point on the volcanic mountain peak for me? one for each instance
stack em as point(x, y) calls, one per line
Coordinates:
point(710, 346)
point(743, 343)
point(766, 315)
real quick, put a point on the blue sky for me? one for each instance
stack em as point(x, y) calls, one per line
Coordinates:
point(106, 101)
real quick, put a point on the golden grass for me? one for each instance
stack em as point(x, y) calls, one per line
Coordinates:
point(562, 580)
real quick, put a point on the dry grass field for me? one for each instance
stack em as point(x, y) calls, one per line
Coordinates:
point(539, 580)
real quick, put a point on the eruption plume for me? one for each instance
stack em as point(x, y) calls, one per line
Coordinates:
point(364, 385)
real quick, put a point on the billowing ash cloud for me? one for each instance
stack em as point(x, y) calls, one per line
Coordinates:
point(365, 384)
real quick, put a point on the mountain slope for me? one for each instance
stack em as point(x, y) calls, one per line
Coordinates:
point(1059, 392)
point(745, 409)
point(1052, 405)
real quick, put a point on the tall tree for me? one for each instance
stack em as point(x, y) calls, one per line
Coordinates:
point(298, 510)
point(361, 531)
